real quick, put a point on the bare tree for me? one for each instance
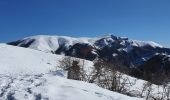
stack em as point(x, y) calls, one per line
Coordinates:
point(65, 62)
point(73, 67)
point(149, 90)
point(106, 75)
point(166, 91)
point(144, 88)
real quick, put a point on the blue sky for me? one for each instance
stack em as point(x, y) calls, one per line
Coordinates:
point(136, 19)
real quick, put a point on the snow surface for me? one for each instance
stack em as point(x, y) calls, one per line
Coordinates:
point(50, 87)
point(28, 74)
point(145, 43)
point(16, 60)
point(52, 43)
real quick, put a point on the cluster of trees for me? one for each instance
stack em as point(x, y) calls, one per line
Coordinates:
point(103, 74)
point(107, 75)
point(74, 69)
point(162, 93)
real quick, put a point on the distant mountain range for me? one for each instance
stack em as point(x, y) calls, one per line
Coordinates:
point(106, 47)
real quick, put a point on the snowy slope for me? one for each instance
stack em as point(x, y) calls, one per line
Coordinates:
point(50, 87)
point(15, 60)
point(50, 43)
point(136, 87)
point(25, 75)
point(145, 43)
point(21, 60)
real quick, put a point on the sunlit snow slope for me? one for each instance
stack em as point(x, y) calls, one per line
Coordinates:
point(25, 75)
point(21, 60)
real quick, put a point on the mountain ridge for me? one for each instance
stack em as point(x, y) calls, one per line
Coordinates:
point(69, 45)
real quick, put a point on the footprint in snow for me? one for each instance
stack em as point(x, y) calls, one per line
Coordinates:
point(99, 94)
point(84, 90)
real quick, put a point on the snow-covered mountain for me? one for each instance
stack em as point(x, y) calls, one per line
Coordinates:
point(49, 43)
point(52, 43)
point(107, 47)
point(28, 74)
